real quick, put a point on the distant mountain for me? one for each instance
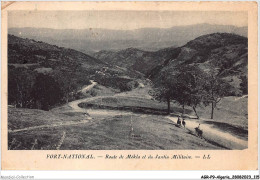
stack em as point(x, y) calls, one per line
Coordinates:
point(147, 39)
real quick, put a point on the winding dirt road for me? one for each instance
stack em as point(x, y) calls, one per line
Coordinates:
point(68, 123)
point(226, 139)
point(73, 105)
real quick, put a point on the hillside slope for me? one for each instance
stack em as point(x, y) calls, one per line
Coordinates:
point(226, 53)
point(41, 75)
point(30, 51)
point(136, 59)
point(39, 69)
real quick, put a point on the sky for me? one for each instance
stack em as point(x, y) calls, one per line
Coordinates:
point(122, 20)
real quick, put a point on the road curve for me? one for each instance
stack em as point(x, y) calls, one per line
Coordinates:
point(49, 126)
point(213, 134)
point(225, 139)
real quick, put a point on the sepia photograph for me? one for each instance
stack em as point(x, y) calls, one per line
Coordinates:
point(106, 80)
point(129, 86)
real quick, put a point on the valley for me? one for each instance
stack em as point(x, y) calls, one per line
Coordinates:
point(63, 99)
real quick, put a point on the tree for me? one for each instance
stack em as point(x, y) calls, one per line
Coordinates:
point(46, 92)
point(163, 89)
point(67, 83)
point(215, 88)
point(182, 84)
point(189, 83)
point(20, 82)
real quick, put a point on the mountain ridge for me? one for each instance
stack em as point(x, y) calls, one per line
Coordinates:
point(149, 39)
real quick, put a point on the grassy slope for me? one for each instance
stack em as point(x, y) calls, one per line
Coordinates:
point(19, 118)
point(150, 132)
point(134, 104)
point(232, 110)
point(228, 110)
point(100, 90)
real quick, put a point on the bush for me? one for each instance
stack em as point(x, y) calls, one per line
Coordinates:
point(93, 92)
